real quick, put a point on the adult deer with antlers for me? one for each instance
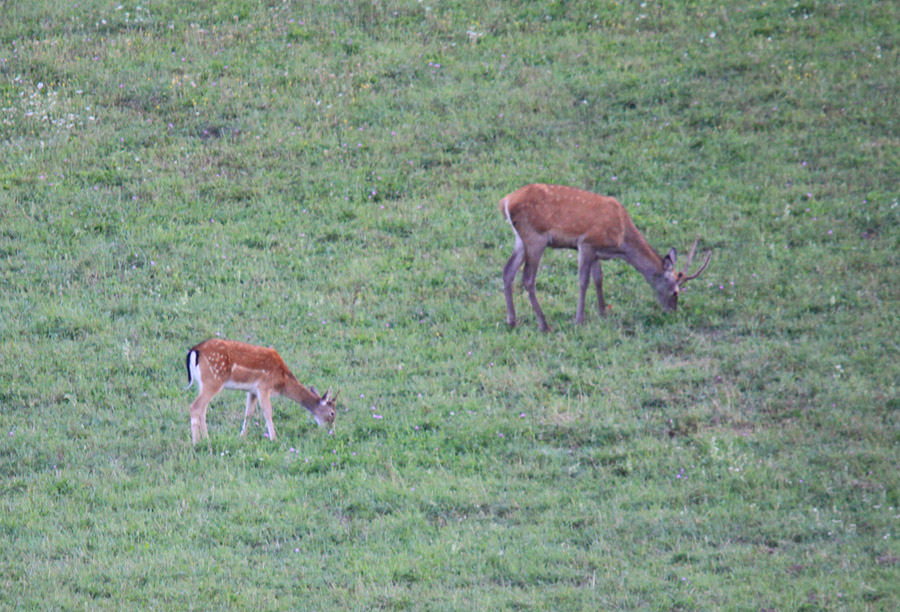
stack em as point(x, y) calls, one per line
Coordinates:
point(261, 372)
point(599, 228)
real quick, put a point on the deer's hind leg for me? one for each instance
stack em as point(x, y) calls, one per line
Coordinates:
point(509, 278)
point(198, 412)
point(529, 280)
point(587, 256)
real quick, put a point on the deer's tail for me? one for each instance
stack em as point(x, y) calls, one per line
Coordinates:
point(191, 364)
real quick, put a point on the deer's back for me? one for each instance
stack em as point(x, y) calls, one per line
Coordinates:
point(566, 215)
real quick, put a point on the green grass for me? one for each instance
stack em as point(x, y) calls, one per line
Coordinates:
point(324, 178)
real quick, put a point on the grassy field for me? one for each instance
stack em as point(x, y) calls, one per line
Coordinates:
point(324, 178)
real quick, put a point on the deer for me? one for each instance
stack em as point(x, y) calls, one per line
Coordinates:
point(218, 364)
point(596, 226)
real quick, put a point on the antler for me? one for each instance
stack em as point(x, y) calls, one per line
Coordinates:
point(683, 275)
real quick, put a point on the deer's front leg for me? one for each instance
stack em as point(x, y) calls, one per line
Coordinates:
point(266, 404)
point(597, 273)
point(248, 413)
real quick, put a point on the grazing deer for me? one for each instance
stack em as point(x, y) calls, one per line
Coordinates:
point(598, 228)
point(261, 372)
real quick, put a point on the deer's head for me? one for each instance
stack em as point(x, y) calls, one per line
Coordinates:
point(669, 283)
point(324, 410)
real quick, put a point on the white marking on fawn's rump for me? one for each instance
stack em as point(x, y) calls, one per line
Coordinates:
point(519, 243)
point(506, 211)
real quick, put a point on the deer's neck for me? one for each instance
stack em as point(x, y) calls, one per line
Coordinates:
point(293, 389)
point(641, 255)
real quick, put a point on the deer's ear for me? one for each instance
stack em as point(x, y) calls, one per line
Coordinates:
point(313, 389)
point(668, 263)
